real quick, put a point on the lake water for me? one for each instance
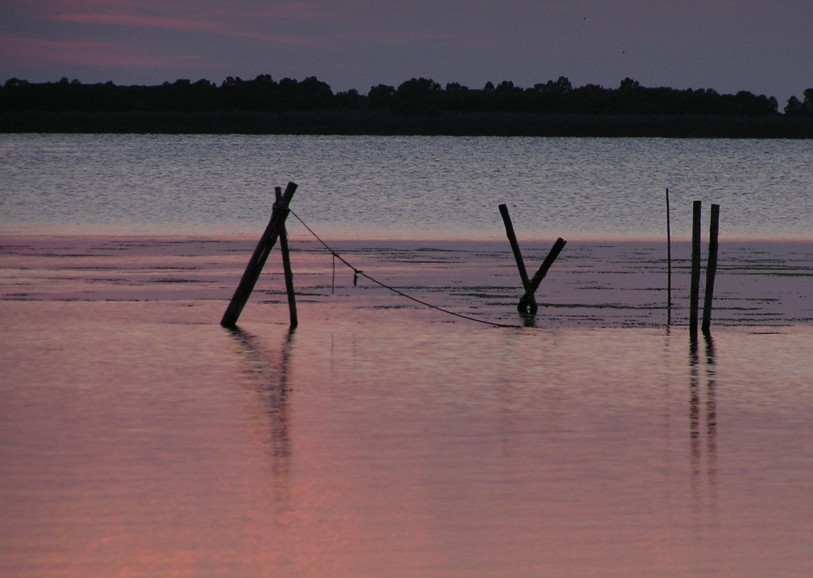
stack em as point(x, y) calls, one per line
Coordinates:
point(139, 440)
point(382, 438)
point(411, 187)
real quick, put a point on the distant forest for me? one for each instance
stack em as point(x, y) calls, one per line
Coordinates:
point(417, 106)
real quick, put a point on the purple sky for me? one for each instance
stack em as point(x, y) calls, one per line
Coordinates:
point(763, 46)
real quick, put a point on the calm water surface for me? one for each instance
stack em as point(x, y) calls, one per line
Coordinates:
point(383, 449)
point(139, 438)
point(405, 186)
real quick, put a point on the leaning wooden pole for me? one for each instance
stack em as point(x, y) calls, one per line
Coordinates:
point(286, 266)
point(512, 239)
point(668, 263)
point(258, 258)
point(540, 274)
point(694, 292)
point(711, 267)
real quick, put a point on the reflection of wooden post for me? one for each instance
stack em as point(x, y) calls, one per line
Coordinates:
point(258, 258)
point(711, 267)
point(286, 266)
point(540, 274)
point(512, 238)
point(694, 292)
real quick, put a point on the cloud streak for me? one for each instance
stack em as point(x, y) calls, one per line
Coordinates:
point(86, 53)
point(143, 21)
point(177, 24)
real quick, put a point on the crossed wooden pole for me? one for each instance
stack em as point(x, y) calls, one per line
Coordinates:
point(274, 231)
point(528, 301)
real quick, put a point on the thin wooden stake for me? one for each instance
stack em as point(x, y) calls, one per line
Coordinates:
point(512, 239)
point(258, 258)
point(711, 267)
point(286, 266)
point(540, 274)
point(694, 292)
point(668, 263)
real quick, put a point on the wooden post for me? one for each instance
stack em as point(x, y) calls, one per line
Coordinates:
point(540, 274)
point(668, 263)
point(711, 267)
point(694, 292)
point(512, 239)
point(258, 258)
point(286, 266)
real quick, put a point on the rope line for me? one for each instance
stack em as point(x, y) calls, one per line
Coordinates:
point(359, 273)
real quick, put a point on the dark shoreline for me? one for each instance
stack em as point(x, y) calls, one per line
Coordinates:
point(385, 123)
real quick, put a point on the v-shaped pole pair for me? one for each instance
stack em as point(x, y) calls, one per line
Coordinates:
point(528, 301)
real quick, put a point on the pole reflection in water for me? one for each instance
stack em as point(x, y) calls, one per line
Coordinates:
point(711, 421)
point(695, 424)
point(270, 380)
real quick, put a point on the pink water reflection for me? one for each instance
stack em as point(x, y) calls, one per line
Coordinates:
point(140, 438)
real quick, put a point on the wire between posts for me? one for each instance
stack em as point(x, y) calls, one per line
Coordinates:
point(359, 273)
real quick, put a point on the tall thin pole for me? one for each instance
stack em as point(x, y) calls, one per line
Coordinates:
point(694, 293)
point(668, 263)
point(711, 267)
point(286, 267)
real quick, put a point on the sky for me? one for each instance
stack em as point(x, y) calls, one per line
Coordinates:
point(761, 46)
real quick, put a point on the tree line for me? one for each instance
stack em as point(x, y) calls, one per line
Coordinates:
point(415, 96)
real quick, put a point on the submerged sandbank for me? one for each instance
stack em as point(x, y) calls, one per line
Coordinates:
point(593, 283)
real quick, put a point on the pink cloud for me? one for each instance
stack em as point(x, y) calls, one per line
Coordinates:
point(38, 51)
point(297, 11)
point(143, 21)
point(104, 5)
point(221, 10)
point(171, 23)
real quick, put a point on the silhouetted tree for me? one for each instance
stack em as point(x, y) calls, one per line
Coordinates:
point(799, 108)
point(418, 95)
point(381, 97)
point(350, 100)
point(551, 96)
point(507, 97)
point(461, 98)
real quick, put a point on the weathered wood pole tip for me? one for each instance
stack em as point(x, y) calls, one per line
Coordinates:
point(711, 267)
point(694, 290)
point(255, 265)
